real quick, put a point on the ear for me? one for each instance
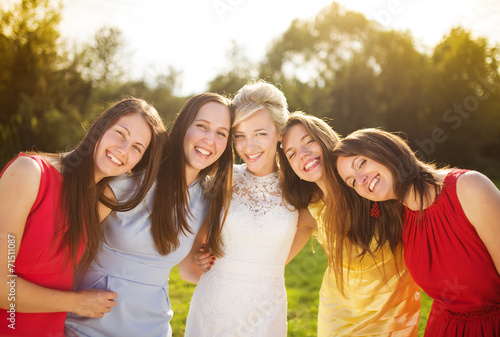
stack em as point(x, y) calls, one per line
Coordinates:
point(280, 138)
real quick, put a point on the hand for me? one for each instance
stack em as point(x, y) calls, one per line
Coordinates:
point(204, 259)
point(94, 302)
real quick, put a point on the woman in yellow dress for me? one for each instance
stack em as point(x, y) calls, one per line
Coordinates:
point(361, 294)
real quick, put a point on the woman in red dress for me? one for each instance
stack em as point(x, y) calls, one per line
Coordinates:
point(50, 216)
point(447, 219)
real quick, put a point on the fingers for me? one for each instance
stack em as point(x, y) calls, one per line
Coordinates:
point(111, 294)
point(204, 260)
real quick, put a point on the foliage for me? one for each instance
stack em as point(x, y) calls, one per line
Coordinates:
point(351, 70)
point(339, 65)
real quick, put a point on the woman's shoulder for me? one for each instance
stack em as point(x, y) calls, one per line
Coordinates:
point(25, 165)
point(22, 174)
point(473, 182)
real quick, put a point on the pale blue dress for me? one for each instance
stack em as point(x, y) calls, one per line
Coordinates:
point(131, 266)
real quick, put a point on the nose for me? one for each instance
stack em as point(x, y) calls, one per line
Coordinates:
point(303, 153)
point(209, 138)
point(123, 148)
point(362, 179)
point(249, 144)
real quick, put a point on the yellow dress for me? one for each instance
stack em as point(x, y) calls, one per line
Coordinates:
point(376, 301)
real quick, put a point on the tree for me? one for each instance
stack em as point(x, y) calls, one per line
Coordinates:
point(238, 73)
point(28, 35)
point(465, 98)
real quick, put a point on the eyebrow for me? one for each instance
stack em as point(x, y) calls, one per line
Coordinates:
point(352, 167)
point(208, 122)
point(301, 139)
point(128, 131)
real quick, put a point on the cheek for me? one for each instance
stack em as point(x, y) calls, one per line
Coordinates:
point(221, 144)
point(295, 167)
point(137, 157)
point(238, 144)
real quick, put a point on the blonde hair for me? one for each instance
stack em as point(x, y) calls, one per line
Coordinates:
point(257, 95)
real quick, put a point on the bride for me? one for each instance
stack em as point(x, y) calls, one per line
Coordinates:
point(243, 292)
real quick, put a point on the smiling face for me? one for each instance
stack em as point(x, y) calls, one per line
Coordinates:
point(206, 138)
point(370, 179)
point(121, 147)
point(303, 153)
point(256, 139)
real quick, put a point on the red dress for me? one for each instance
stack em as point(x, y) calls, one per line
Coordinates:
point(41, 258)
point(446, 257)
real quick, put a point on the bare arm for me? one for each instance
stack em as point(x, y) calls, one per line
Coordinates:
point(22, 180)
point(103, 210)
point(305, 226)
point(480, 200)
point(188, 268)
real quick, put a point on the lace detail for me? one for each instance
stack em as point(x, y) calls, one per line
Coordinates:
point(259, 230)
point(259, 194)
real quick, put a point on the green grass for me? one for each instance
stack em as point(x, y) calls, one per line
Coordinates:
point(303, 279)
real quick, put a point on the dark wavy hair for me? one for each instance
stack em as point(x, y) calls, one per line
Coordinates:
point(171, 207)
point(80, 223)
point(337, 237)
point(409, 174)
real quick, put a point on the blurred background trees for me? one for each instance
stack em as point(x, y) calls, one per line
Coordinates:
point(339, 65)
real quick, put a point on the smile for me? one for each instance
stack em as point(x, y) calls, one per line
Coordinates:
point(203, 151)
point(311, 164)
point(114, 159)
point(374, 182)
point(254, 156)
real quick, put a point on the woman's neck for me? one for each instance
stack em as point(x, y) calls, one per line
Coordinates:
point(412, 199)
point(322, 186)
point(191, 176)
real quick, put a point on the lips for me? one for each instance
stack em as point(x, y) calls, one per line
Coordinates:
point(374, 182)
point(254, 156)
point(113, 158)
point(203, 151)
point(311, 164)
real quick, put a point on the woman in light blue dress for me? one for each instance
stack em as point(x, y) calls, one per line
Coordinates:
point(143, 244)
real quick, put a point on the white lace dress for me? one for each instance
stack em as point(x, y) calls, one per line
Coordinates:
point(244, 292)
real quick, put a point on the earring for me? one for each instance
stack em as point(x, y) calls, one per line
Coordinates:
point(375, 211)
point(129, 173)
point(281, 145)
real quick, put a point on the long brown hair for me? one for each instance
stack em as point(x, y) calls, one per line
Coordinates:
point(408, 173)
point(296, 191)
point(80, 223)
point(171, 207)
point(336, 236)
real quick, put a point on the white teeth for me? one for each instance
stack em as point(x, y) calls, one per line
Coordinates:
point(310, 164)
point(374, 181)
point(113, 158)
point(203, 151)
point(253, 156)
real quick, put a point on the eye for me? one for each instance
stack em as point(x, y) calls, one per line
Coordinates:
point(291, 155)
point(238, 136)
point(137, 148)
point(121, 134)
point(261, 134)
point(362, 163)
point(202, 126)
point(222, 134)
point(353, 183)
point(310, 141)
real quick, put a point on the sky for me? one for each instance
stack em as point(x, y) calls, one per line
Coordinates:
point(194, 36)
